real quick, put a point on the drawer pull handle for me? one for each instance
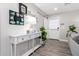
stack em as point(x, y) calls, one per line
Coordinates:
point(22, 38)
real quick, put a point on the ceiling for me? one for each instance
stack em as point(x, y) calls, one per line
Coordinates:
point(48, 8)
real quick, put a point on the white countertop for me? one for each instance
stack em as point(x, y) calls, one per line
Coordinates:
point(17, 35)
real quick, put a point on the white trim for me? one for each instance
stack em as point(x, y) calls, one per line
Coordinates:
point(59, 39)
point(53, 38)
point(63, 40)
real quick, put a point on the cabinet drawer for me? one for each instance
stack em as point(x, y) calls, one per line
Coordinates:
point(37, 35)
point(26, 37)
point(23, 38)
point(14, 40)
point(34, 36)
point(20, 39)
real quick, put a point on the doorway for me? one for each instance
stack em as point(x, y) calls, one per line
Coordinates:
point(54, 29)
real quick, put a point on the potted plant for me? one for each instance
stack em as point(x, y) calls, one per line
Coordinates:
point(72, 29)
point(43, 34)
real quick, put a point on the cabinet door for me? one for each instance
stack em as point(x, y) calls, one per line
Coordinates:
point(30, 45)
point(22, 48)
point(36, 41)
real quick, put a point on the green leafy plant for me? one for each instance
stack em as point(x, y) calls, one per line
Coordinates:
point(43, 34)
point(72, 29)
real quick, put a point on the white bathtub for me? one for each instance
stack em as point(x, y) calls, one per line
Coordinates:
point(74, 47)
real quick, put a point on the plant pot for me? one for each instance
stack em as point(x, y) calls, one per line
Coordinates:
point(44, 42)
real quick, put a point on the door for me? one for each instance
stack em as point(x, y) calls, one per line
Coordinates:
point(54, 25)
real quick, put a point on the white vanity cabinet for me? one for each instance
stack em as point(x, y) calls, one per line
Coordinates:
point(24, 45)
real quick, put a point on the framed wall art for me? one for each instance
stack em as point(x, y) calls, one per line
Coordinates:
point(22, 8)
point(15, 18)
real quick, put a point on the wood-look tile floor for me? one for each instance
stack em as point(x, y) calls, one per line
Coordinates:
point(53, 48)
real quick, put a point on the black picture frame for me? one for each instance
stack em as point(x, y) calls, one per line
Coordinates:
point(22, 8)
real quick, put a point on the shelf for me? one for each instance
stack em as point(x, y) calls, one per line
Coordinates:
point(31, 50)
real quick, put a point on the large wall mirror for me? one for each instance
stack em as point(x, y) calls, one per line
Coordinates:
point(31, 22)
point(30, 19)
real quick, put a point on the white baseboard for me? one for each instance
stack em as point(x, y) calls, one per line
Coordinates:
point(59, 39)
point(63, 40)
point(53, 38)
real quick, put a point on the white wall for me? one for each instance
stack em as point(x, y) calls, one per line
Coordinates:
point(46, 23)
point(0, 35)
point(7, 29)
point(68, 18)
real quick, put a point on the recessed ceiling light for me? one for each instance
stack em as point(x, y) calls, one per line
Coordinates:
point(55, 9)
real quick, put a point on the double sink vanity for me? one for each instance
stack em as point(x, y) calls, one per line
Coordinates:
point(25, 44)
